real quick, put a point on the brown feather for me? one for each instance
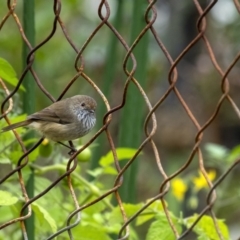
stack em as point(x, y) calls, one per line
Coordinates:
point(53, 113)
point(16, 125)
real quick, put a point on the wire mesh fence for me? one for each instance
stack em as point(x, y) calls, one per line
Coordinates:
point(150, 15)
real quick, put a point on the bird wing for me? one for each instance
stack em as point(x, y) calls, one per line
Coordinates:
point(57, 112)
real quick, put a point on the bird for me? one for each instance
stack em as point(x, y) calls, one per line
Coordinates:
point(64, 120)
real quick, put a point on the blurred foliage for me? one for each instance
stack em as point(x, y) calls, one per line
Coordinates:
point(52, 209)
point(8, 74)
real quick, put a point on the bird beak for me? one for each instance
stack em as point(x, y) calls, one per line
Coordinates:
point(91, 111)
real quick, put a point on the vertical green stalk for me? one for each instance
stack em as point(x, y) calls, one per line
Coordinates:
point(29, 95)
point(131, 128)
point(108, 80)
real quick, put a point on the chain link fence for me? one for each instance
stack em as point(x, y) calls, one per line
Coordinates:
point(175, 72)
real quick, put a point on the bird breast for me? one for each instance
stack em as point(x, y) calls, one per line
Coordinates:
point(87, 120)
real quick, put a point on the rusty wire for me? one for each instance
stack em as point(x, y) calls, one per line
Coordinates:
point(150, 117)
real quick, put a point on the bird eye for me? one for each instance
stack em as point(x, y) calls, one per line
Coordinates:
point(83, 104)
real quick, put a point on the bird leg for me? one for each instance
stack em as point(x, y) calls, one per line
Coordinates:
point(73, 149)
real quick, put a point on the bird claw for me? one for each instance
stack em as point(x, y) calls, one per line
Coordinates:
point(73, 150)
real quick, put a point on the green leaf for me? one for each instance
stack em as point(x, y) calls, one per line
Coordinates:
point(4, 160)
point(157, 206)
point(7, 199)
point(16, 151)
point(35, 153)
point(14, 119)
point(8, 74)
point(131, 209)
point(234, 154)
point(43, 216)
point(7, 139)
point(122, 154)
point(89, 232)
point(95, 208)
point(110, 170)
point(14, 156)
point(144, 218)
point(115, 217)
point(95, 172)
point(155, 209)
point(30, 142)
point(56, 195)
point(33, 156)
point(19, 118)
point(161, 230)
point(205, 227)
point(7, 213)
point(216, 151)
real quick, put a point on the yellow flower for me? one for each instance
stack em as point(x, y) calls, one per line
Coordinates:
point(178, 188)
point(45, 141)
point(200, 181)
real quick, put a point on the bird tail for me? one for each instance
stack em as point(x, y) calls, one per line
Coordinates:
point(16, 125)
